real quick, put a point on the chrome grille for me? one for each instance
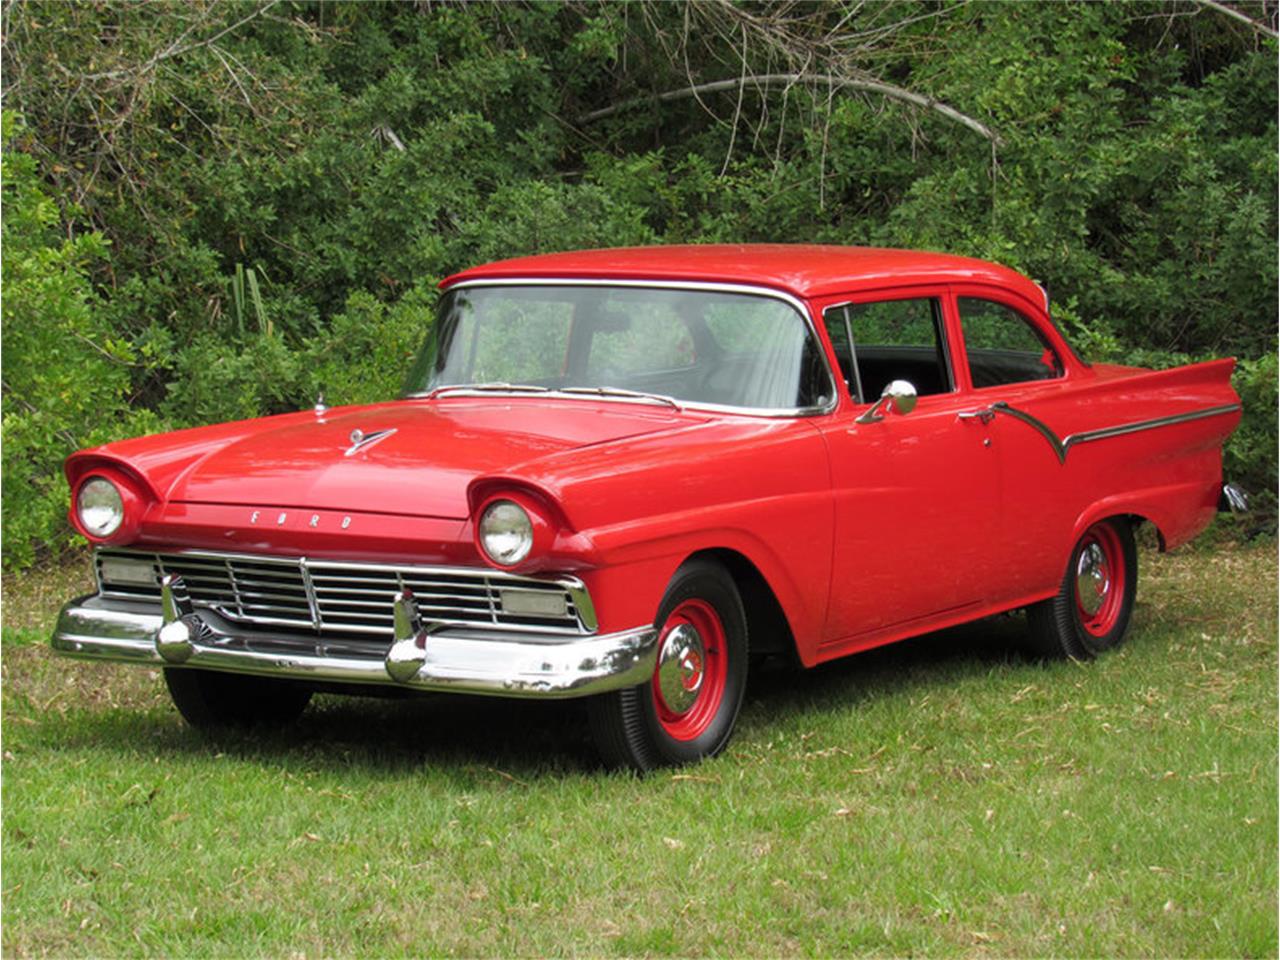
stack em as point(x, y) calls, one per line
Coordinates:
point(336, 598)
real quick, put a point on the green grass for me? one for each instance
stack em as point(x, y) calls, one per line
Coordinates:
point(943, 796)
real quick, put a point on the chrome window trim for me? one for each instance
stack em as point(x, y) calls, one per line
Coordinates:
point(577, 590)
point(706, 286)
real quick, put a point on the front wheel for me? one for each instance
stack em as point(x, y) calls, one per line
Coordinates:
point(209, 700)
point(687, 710)
point(1091, 610)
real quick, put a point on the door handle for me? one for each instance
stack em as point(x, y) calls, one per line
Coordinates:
point(985, 416)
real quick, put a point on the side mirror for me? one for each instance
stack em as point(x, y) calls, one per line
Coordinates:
point(898, 396)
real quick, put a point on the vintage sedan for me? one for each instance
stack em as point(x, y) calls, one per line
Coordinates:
point(620, 474)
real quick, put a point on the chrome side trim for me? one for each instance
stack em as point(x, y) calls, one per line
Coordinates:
point(659, 284)
point(1103, 434)
point(1061, 447)
point(1042, 428)
point(550, 666)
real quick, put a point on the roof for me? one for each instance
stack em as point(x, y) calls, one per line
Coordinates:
point(802, 270)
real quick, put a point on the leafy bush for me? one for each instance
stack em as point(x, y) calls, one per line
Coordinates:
point(1250, 457)
point(346, 157)
point(66, 375)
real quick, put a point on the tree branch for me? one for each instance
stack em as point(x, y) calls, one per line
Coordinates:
point(770, 79)
point(1226, 11)
point(177, 49)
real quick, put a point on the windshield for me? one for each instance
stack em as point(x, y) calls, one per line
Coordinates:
point(692, 346)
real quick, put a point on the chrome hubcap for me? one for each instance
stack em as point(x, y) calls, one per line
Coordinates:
point(1093, 579)
point(681, 667)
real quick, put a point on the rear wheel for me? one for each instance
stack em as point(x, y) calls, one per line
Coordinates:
point(1091, 611)
point(687, 710)
point(209, 700)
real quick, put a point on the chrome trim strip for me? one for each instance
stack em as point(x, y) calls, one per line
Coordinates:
point(1042, 428)
point(582, 604)
point(1062, 447)
point(659, 284)
point(312, 604)
point(551, 667)
point(1103, 434)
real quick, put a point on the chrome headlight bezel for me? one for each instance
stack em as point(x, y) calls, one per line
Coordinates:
point(100, 507)
point(505, 532)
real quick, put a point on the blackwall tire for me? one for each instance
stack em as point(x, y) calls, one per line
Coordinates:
point(210, 700)
point(687, 711)
point(1091, 611)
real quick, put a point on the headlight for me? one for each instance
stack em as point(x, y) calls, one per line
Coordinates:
point(100, 507)
point(506, 532)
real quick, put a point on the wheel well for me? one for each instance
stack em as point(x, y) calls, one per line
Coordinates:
point(769, 630)
point(1137, 520)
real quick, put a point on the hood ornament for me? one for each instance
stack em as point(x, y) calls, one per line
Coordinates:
point(361, 440)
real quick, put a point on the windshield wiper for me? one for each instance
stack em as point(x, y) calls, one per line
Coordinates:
point(495, 387)
point(619, 392)
point(500, 387)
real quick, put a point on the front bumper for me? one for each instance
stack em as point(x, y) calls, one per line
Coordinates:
point(459, 661)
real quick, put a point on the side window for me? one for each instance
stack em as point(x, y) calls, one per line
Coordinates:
point(1003, 346)
point(897, 340)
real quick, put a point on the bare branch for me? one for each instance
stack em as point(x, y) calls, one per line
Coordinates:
point(737, 111)
point(1226, 11)
point(177, 48)
point(232, 74)
point(771, 79)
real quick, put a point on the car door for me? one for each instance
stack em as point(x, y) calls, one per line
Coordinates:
point(1019, 372)
point(915, 494)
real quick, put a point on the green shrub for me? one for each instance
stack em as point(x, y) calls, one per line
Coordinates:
point(66, 375)
point(1250, 456)
point(233, 208)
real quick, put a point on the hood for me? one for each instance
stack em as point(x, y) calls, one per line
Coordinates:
point(421, 466)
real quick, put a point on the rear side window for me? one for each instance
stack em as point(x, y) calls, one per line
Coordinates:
point(1003, 345)
point(887, 340)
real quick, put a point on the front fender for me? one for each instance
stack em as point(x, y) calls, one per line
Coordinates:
point(795, 561)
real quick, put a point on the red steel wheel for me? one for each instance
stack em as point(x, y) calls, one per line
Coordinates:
point(687, 710)
point(1091, 610)
point(688, 684)
point(1100, 579)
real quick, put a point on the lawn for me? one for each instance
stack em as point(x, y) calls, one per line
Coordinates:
point(944, 796)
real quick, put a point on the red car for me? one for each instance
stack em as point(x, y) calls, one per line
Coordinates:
point(620, 474)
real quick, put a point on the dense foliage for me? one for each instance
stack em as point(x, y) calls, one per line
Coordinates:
point(218, 210)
